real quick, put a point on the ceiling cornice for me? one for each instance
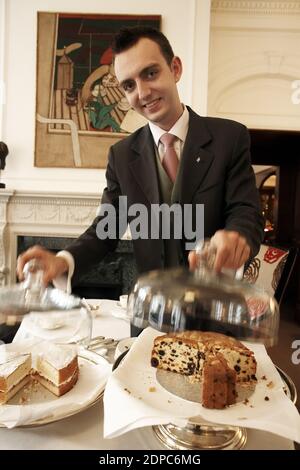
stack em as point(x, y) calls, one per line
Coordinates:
point(254, 7)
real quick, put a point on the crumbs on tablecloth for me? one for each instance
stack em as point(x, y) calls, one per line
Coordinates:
point(264, 377)
point(270, 384)
point(128, 391)
point(152, 389)
point(267, 398)
point(246, 401)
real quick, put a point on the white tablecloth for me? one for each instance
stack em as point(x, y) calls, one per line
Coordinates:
point(85, 430)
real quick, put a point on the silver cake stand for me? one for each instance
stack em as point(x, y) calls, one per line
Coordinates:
point(198, 434)
point(201, 436)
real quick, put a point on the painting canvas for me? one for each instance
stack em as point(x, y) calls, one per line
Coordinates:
point(80, 109)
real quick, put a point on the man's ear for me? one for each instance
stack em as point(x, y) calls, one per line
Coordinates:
point(176, 67)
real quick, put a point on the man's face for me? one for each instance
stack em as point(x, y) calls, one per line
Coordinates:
point(149, 83)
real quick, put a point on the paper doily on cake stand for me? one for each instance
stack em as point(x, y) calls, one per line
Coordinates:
point(199, 434)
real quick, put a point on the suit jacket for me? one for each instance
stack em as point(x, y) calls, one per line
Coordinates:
point(215, 170)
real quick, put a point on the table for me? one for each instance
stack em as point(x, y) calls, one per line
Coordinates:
point(84, 431)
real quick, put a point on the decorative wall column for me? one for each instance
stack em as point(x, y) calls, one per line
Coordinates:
point(4, 239)
point(201, 56)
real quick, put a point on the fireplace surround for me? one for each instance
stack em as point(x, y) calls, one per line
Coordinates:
point(54, 220)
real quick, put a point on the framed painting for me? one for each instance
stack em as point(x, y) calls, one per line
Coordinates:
point(80, 109)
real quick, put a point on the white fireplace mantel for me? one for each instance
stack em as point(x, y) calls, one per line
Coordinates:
point(40, 214)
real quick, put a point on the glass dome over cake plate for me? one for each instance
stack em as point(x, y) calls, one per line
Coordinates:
point(178, 300)
point(53, 308)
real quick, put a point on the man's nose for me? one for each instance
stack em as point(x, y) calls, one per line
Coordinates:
point(143, 90)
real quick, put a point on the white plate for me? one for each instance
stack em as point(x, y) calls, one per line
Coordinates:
point(123, 299)
point(93, 374)
point(109, 308)
point(124, 345)
point(57, 326)
point(50, 323)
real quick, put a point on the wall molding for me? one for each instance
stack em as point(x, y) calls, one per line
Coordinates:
point(253, 7)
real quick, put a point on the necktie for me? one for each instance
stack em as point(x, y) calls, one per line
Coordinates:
point(170, 159)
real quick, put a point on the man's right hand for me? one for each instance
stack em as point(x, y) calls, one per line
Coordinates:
point(53, 266)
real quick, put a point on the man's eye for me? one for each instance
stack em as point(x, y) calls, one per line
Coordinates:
point(152, 73)
point(128, 87)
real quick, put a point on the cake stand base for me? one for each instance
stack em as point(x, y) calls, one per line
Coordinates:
point(196, 436)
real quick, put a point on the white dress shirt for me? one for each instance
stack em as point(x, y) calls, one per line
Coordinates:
point(179, 129)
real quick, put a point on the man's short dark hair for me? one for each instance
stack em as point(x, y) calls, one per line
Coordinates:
point(3, 149)
point(128, 37)
point(3, 155)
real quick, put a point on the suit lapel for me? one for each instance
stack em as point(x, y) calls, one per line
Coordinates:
point(194, 163)
point(195, 160)
point(143, 166)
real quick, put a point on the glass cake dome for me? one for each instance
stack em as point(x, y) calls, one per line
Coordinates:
point(49, 308)
point(177, 299)
point(29, 295)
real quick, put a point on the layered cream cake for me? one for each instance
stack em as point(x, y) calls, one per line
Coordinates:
point(55, 367)
point(14, 375)
point(206, 356)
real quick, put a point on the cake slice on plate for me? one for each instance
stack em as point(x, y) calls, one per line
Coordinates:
point(57, 368)
point(219, 383)
point(14, 374)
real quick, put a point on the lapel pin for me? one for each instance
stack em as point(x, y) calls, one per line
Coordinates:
point(198, 159)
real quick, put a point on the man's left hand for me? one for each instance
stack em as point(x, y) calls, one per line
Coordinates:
point(232, 251)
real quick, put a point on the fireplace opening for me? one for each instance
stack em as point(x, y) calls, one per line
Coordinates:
point(109, 279)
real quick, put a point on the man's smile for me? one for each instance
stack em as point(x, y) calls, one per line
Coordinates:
point(152, 103)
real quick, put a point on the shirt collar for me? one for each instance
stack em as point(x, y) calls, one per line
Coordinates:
point(179, 129)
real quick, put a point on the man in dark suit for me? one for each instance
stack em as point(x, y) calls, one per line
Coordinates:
point(212, 168)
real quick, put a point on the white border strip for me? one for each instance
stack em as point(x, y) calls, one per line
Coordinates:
point(2, 62)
